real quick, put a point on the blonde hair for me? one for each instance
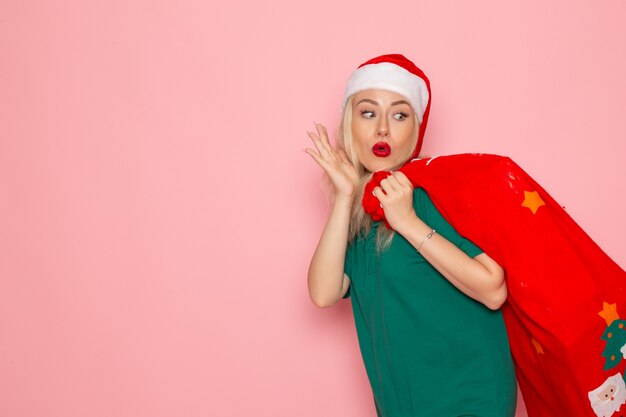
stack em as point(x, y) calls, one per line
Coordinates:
point(360, 221)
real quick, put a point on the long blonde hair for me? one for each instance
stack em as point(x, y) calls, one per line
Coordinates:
point(360, 221)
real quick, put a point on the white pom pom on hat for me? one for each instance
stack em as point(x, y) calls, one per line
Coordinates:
point(394, 72)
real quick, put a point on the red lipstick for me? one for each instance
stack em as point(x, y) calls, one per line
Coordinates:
point(381, 149)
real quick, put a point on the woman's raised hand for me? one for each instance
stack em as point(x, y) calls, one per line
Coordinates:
point(334, 162)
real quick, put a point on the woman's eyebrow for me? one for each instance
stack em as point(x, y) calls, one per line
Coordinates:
point(395, 103)
point(367, 100)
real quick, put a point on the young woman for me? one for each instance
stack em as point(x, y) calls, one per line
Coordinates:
point(425, 300)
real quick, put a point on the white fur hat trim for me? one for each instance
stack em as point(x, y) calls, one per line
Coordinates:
point(391, 77)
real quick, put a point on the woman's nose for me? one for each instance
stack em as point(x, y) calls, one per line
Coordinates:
point(383, 130)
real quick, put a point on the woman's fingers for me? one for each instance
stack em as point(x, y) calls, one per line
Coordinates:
point(395, 186)
point(316, 157)
point(322, 142)
point(402, 178)
point(318, 144)
point(379, 193)
point(389, 184)
point(393, 180)
point(323, 135)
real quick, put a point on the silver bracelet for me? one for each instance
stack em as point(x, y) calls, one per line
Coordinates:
point(428, 236)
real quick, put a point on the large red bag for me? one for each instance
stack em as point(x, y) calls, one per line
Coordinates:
point(565, 293)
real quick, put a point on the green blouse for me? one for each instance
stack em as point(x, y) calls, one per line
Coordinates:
point(428, 349)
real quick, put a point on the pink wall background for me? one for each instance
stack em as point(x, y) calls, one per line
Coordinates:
point(157, 214)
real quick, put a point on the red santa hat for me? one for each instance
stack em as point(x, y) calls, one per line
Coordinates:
point(395, 73)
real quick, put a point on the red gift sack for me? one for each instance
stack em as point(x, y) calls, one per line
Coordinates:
point(564, 293)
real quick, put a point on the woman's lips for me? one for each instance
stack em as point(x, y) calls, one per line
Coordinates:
point(381, 149)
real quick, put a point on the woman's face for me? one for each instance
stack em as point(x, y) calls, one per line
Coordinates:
point(384, 129)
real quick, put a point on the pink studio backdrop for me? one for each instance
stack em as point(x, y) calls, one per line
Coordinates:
point(157, 213)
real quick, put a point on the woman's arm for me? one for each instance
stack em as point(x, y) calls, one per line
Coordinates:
point(480, 278)
point(327, 282)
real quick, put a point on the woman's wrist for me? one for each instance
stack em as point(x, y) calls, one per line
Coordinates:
point(344, 200)
point(414, 229)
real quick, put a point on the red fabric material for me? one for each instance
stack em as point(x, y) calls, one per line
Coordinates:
point(370, 202)
point(558, 279)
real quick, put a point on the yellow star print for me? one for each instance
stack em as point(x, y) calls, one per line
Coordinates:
point(532, 201)
point(537, 346)
point(609, 313)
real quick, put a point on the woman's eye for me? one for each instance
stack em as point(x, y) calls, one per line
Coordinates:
point(400, 116)
point(367, 113)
